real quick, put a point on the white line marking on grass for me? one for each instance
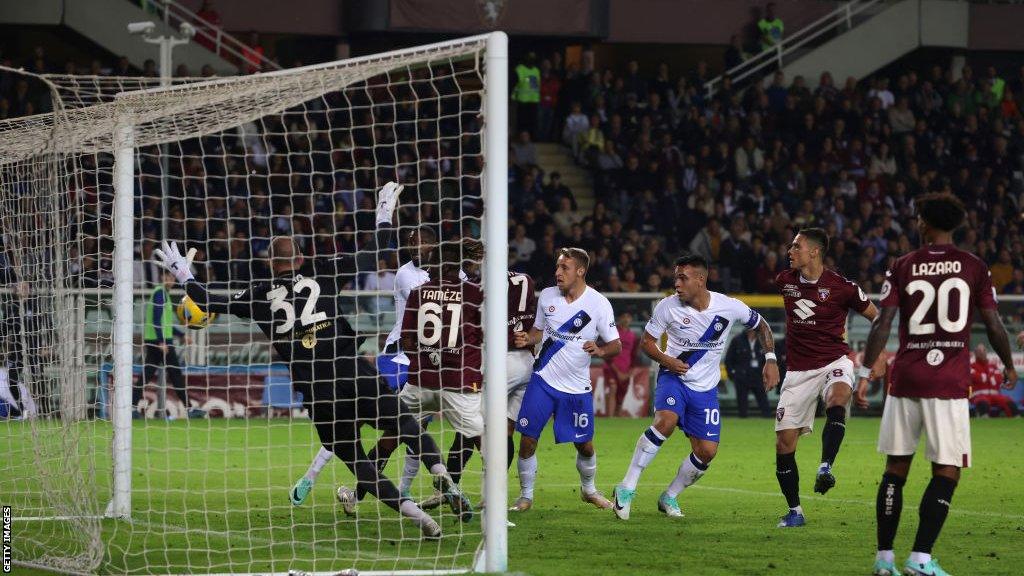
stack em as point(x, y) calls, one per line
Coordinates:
point(871, 503)
point(331, 552)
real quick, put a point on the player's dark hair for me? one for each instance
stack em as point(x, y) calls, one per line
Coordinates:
point(578, 254)
point(818, 236)
point(941, 210)
point(695, 260)
point(465, 250)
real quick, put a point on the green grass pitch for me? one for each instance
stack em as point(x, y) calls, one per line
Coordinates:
point(242, 521)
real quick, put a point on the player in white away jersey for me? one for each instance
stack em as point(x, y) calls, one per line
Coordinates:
point(697, 322)
point(570, 318)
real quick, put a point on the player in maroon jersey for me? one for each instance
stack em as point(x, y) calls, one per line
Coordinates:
point(442, 331)
point(522, 310)
point(818, 301)
point(986, 393)
point(935, 289)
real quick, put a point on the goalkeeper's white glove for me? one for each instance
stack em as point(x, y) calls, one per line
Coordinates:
point(171, 259)
point(387, 201)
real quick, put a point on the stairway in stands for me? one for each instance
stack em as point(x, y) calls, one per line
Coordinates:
point(558, 158)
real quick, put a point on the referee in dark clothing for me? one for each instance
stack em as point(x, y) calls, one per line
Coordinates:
point(744, 360)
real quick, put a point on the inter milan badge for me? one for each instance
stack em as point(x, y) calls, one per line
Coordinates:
point(308, 341)
point(822, 294)
point(435, 358)
point(577, 322)
point(718, 327)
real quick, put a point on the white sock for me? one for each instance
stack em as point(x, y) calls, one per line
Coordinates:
point(438, 468)
point(410, 510)
point(689, 472)
point(643, 454)
point(798, 509)
point(587, 468)
point(824, 465)
point(409, 471)
point(920, 557)
point(886, 556)
point(319, 461)
point(527, 473)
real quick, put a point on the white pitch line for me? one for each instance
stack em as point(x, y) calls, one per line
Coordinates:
point(952, 510)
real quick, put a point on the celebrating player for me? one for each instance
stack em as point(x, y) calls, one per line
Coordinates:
point(298, 312)
point(697, 322)
point(817, 302)
point(935, 289)
point(570, 317)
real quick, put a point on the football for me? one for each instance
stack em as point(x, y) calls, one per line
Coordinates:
point(192, 316)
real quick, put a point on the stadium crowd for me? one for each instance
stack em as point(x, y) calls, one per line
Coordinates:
point(732, 176)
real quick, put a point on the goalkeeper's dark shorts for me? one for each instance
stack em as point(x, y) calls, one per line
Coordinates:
point(342, 396)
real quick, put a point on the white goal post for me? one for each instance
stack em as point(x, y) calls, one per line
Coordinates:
point(177, 490)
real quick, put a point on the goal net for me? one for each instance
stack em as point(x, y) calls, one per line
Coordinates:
point(134, 445)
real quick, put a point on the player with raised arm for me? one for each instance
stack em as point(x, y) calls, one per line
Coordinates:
point(697, 322)
point(419, 249)
point(298, 311)
point(935, 290)
point(571, 316)
point(818, 302)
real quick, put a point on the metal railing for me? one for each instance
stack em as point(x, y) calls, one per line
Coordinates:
point(213, 37)
point(775, 57)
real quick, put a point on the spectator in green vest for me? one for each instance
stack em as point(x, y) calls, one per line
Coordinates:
point(770, 28)
point(526, 94)
point(998, 84)
point(158, 344)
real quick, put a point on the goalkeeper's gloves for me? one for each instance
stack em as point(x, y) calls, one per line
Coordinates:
point(387, 201)
point(171, 259)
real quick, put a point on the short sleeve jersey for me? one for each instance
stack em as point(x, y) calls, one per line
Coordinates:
point(443, 319)
point(562, 362)
point(816, 314)
point(698, 337)
point(936, 288)
point(522, 304)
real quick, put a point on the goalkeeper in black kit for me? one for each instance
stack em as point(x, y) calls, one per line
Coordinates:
point(298, 311)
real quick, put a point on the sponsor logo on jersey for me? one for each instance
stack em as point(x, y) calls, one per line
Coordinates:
point(804, 308)
point(435, 358)
point(779, 413)
point(791, 290)
point(935, 357)
point(551, 309)
point(686, 320)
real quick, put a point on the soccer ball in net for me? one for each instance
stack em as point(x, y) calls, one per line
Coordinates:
point(192, 316)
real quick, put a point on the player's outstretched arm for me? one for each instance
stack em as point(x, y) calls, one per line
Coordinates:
point(169, 257)
point(877, 337)
point(770, 372)
point(650, 347)
point(1000, 341)
point(365, 260)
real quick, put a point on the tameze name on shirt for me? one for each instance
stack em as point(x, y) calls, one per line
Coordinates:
point(442, 295)
point(561, 336)
point(935, 268)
